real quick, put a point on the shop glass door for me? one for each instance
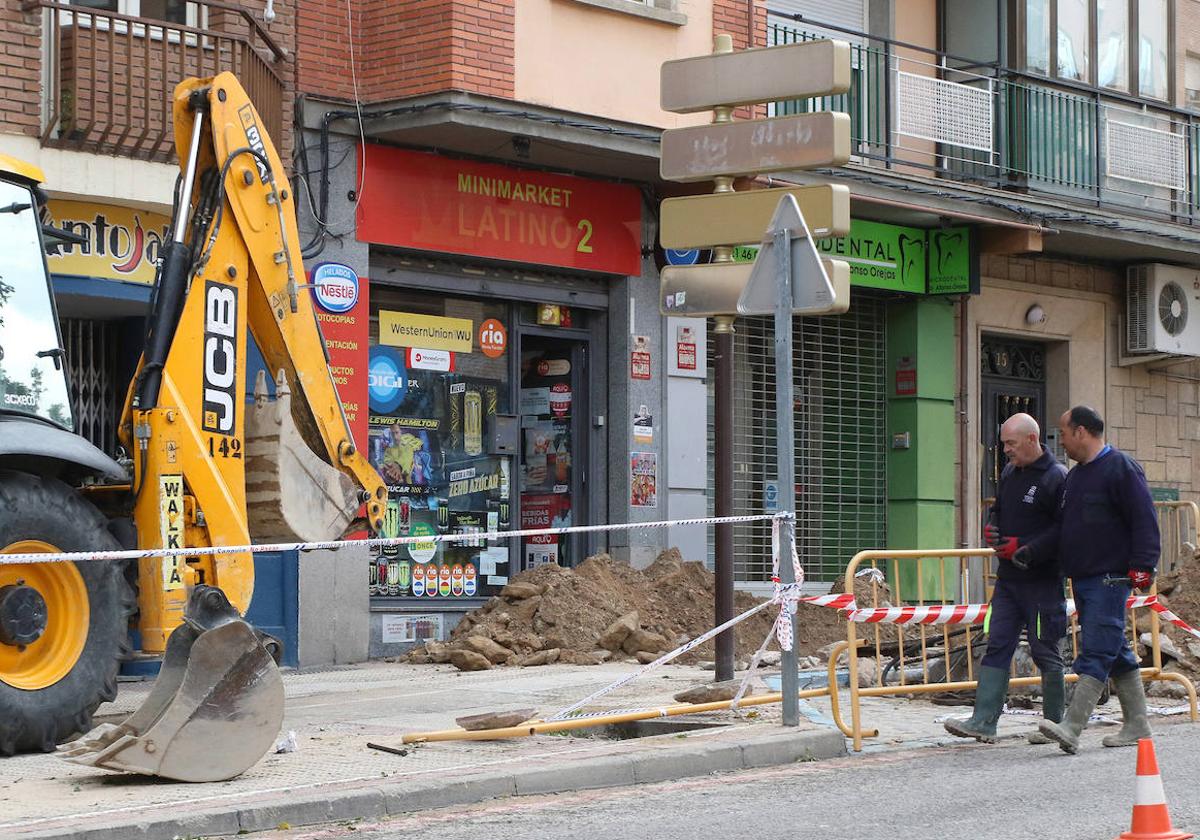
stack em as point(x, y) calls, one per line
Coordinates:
point(553, 450)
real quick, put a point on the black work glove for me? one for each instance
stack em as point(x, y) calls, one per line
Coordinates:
point(1023, 558)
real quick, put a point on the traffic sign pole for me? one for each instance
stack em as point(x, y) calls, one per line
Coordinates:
point(785, 452)
point(722, 81)
point(723, 434)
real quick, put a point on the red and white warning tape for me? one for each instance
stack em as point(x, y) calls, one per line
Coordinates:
point(963, 613)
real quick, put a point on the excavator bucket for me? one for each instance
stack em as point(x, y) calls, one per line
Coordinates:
point(292, 495)
point(214, 711)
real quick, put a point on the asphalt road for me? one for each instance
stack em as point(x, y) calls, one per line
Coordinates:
point(1010, 791)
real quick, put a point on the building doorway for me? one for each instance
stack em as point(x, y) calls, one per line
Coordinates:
point(1013, 380)
point(554, 446)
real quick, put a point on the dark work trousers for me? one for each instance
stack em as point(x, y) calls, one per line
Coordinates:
point(1104, 648)
point(1037, 606)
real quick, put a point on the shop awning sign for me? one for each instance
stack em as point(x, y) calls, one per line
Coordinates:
point(121, 243)
point(432, 203)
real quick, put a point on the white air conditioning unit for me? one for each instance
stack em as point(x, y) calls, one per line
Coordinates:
point(1162, 313)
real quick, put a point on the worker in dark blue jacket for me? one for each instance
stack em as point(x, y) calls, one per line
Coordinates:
point(1108, 544)
point(1029, 587)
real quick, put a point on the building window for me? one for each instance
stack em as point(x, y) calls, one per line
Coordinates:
point(1122, 45)
point(1037, 36)
point(1191, 81)
point(1112, 48)
point(1153, 49)
point(172, 11)
point(1072, 40)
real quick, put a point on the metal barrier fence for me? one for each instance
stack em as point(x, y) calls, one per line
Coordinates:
point(1177, 525)
point(933, 651)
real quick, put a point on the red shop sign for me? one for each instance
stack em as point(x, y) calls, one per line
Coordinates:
point(432, 203)
point(341, 298)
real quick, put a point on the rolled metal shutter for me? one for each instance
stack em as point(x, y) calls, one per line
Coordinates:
point(841, 469)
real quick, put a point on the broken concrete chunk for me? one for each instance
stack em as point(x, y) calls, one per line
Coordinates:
point(618, 631)
point(469, 660)
point(518, 591)
point(495, 720)
point(483, 645)
point(712, 692)
point(542, 657)
point(644, 640)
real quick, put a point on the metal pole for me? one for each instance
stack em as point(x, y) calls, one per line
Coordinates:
point(723, 432)
point(785, 449)
point(723, 453)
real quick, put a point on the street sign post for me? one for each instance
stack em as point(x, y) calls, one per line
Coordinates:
point(787, 276)
point(712, 289)
point(770, 74)
point(751, 147)
point(739, 218)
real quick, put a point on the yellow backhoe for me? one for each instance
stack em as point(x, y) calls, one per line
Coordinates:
point(203, 470)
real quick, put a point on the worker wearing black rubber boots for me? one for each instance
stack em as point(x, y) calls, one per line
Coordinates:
point(1029, 587)
point(1108, 544)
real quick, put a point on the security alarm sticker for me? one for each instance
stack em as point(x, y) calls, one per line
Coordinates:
point(639, 358)
point(560, 399)
point(685, 348)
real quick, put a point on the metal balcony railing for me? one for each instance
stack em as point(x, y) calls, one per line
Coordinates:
point(916, 109)
point(110, 78)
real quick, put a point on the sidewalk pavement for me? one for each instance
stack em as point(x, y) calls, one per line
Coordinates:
point(334, 776)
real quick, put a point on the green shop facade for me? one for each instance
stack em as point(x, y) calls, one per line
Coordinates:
point(875, 433)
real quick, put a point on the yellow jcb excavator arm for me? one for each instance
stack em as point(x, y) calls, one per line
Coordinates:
point(205, 473)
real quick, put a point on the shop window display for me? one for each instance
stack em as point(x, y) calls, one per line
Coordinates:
point(434, 414)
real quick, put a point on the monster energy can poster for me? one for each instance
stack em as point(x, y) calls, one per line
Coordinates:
point(943, 261)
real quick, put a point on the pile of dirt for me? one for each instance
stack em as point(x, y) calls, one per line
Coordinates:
point(603, 609)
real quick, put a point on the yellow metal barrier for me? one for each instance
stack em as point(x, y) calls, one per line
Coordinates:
point(1177, 525)
point(932, 658)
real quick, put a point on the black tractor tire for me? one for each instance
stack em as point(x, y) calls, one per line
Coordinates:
point(36, 508)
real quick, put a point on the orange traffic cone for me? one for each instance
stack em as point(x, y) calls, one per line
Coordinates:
point(1150, 818)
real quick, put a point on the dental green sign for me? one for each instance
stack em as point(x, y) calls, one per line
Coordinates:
point(901, 259)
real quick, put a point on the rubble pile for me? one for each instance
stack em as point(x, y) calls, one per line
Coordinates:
point(1179, 591)
point(606, 610)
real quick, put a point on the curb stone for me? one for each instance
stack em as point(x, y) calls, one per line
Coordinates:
point(407, 795)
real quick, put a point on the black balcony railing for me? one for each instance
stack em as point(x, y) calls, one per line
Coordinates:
point(111, 77)
point(917, 109)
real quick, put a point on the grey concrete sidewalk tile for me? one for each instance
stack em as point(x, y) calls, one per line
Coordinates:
point(789, 747)
point(583, 774)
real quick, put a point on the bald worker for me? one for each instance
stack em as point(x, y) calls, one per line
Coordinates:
point(1029, 586)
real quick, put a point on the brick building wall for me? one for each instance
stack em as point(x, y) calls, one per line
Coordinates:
point(1153, 408)
point(20, 69)
point(407, 49)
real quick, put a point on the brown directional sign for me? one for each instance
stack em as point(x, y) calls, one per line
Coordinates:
point(769, 74)
point(739, 218)
point(750, 147)
point(703, 291)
